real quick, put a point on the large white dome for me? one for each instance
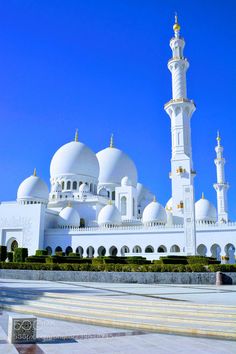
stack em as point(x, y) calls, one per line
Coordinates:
point(69, 217)
point(109, 215)
point(33, 188)
point(74, 158)
point(154, 213)
point(114, 165)
point(205, 211)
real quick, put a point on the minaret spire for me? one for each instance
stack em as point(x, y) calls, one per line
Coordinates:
point(221, 186)
point(112, 141)
point(35, 173)
point(76, 135)
point(180, 110)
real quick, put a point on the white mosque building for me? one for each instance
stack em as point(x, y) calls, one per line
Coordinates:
point(96, 206)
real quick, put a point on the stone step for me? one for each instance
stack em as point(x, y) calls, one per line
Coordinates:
point(74, 305)
point(153, 325)
point(123, 313)
point(218, 308)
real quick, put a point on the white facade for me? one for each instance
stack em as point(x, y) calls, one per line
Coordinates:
point(96, 206)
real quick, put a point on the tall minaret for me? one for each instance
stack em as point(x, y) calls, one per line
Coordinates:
point(221, 186)
point(180, 110)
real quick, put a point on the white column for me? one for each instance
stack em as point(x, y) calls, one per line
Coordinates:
point(180, 110)
point(221, 186)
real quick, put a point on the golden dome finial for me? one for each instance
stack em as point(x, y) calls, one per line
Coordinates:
point(76, 135)
point(69, 204)
point(154, 199)
point(35, 174)
point(112, 141)
point(176, 26)
point(109, 202)
point(203, 196)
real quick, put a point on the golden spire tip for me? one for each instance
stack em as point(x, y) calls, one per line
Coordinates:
point(218, 136)
point(35, 174)
point(203, 196)
point(112, 141)
point(176, 26)
point(154, 199)
point(76, 135)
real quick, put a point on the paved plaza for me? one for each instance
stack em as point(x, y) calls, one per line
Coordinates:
point(121, 318)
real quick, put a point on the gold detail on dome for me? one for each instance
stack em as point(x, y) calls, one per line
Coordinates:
point(109, 202)
point(154, 199)
point(203, 196)
point(35, 174)
point(180, 205)
point(76, 135)
point(176, 26)
point(69, 205)
point(112, 141)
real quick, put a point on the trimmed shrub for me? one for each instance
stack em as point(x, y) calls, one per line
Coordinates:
point(222, 267)
point(10, 256)
point(72, 254)
point(20, 254)
point(41, 253)
point(3, 253)
point(36, 259)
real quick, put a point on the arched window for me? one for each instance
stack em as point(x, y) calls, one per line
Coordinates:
point(162, 249)
point(175, 248)
point(49, 250)
point(90, 251)
point(68, 185)
point(79, 251)
point(14, 245)
point(113, 195)
point(101, 251)
point(201, 250)
point(80, 183)
point(149, 249)
point(124, 250)
point(68, 250)
point(74, 185)
point(62, 185)
point(82, 222)
point(91, 187)
point(137, 249)
point(113, 251)
point(58, 249)
point(123, 203)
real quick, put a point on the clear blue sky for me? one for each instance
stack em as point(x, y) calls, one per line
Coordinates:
point(101, 66)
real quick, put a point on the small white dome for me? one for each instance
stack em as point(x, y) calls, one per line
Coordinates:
point(74, 158)
point(83, 188)
point(205, 211)
point(33, 188)
point(125, 181)
point(69, 217)
point(169, 204)
point(109, 215)
point(154, 213)
point(114, 165)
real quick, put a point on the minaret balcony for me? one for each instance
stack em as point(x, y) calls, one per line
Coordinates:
point(193, 172)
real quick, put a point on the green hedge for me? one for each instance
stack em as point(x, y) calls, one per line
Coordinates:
point(36, 259)
point(20, 254)
point(3, 253)
point(222, 267)
point(106, 267)
point(41, 253)
point(10, 256)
